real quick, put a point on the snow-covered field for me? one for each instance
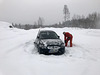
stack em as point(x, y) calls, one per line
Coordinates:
point(18, 56)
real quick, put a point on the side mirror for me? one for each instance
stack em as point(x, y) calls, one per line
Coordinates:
point(38, 37)
point(58, 36)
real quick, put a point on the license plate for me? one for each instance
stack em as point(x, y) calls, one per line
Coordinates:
point(53, 50)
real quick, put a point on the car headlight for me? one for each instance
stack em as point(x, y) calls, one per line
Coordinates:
point(41, 45)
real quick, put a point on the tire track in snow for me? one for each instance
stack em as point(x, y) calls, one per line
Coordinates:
point(30, 48)
point(88, 54)
point(14, 44)
point(14, 48)
point(78, 51)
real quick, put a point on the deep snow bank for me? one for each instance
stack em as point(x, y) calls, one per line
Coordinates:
point(4, 24)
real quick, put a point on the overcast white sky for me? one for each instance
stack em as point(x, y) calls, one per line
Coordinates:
point(28, 11)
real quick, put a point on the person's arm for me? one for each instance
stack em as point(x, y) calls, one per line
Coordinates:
point(64, 36)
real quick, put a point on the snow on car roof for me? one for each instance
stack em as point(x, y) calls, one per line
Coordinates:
point(46, 30)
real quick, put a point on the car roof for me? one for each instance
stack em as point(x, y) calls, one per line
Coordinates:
point(46, 31)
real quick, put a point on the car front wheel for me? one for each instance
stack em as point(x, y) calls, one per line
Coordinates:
point(40, 51)
point(60, 52)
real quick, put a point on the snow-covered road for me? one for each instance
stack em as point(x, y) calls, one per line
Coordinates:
point(18, 56)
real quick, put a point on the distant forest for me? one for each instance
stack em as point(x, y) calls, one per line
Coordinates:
point(91, 21)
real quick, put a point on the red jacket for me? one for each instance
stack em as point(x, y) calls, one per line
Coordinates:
point(67, 34)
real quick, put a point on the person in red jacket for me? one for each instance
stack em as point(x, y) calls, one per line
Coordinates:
point(67, 37)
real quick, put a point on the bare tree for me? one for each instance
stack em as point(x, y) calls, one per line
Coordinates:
point(66, 13)
point(40, 21)
point(35, 23)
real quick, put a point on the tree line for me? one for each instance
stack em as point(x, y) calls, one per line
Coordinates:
point(37, 24)
point(90, 21)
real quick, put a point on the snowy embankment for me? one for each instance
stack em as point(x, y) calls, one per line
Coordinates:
point(18, 56)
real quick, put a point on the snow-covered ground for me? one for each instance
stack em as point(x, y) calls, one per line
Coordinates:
point(18, 56)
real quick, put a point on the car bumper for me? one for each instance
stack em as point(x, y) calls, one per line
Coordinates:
point(53, 51)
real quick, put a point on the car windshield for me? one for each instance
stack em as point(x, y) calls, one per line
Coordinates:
point(48, 35)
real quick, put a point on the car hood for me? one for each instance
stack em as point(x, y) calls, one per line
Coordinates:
point(51, 42)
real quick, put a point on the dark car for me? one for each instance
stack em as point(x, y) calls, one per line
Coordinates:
point(48, 42)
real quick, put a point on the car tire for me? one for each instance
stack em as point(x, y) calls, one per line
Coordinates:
point(61, 52)
point(40, 51)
